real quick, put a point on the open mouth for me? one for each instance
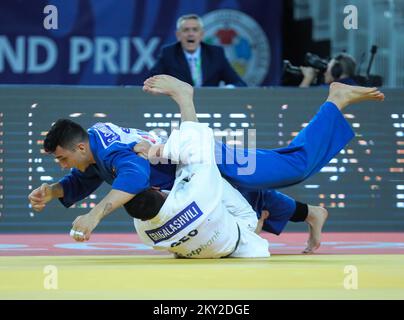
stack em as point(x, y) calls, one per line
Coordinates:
point(191, 41)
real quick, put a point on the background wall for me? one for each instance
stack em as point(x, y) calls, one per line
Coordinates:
point(362, 186)
point(318, 26)
point(108, 42)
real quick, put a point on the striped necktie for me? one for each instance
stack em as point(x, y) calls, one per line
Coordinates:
point(195, 71)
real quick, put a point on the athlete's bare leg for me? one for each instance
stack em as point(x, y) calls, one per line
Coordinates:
point(341, 95)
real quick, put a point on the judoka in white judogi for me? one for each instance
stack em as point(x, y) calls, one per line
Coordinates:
point(203, 215)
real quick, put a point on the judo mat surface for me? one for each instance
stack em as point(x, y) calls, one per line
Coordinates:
point(119, 266)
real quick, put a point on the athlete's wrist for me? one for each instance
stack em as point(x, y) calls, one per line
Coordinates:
point(56, 190)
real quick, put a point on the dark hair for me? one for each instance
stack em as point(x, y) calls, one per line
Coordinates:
point(64, 133)
point(344, 64)
point(145, 205)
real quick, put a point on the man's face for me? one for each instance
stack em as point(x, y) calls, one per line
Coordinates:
point(328, 78)
point(72, 158)
point(190, 35)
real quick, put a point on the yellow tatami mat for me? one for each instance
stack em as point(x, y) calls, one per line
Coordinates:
point(162, 277)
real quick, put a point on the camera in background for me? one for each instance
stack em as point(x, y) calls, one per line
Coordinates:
point(343, 64)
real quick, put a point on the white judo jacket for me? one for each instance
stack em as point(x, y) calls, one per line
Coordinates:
point(203, 215)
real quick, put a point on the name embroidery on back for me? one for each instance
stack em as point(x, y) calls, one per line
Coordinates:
point(183, 219)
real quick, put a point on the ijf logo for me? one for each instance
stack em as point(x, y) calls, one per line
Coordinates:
point(245, 43)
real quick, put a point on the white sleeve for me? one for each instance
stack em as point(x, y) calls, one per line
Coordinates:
point(172, 146)
point(197, 178)
point(193, 143)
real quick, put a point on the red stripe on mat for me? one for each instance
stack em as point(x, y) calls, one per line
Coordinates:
point(129, 244)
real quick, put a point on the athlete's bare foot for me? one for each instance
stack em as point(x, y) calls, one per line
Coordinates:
point(181, 92)
point(343, 95)
point(315, 219)
point(167, 85)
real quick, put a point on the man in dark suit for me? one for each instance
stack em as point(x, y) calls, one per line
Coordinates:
point(193, 61)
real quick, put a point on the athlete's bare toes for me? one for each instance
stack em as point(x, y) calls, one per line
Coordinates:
point(343, 95)
point(168, 85)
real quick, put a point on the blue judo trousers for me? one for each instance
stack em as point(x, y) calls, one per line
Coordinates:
point(325, 136)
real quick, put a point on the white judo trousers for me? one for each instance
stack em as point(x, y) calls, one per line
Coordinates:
point(203, 216)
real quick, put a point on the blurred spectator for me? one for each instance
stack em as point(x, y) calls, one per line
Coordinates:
point(340, 69)
point(194, 61)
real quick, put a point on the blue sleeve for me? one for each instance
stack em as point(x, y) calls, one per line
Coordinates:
point(132, 173)
point(78, 185)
